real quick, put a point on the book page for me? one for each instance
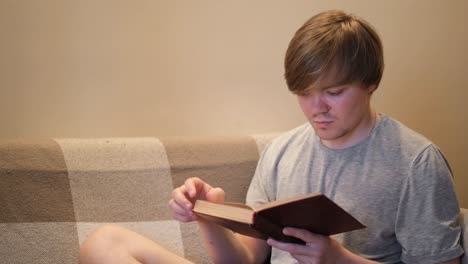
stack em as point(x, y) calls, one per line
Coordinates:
point(231, 211)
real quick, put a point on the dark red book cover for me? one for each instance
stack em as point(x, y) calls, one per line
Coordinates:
point(314, 212)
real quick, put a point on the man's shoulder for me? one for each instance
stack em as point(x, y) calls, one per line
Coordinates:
point(397, 133)
point(297, 135)
point(292, 140)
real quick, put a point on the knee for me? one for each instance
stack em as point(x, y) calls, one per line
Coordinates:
point(100, 244)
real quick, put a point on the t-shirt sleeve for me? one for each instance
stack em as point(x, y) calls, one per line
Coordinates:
point(427, 225)
point(261, 189)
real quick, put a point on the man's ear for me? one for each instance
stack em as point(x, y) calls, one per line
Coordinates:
point(371, 88)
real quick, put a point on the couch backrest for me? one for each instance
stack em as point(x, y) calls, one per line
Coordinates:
point(54, 192)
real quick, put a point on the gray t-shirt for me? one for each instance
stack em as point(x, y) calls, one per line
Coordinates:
point(396, 182)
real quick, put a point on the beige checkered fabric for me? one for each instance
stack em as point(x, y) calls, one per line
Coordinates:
point(55, 192)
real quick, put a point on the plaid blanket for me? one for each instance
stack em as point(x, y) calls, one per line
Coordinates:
point(55, 192)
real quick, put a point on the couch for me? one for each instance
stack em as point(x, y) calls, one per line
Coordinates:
point(55, 192)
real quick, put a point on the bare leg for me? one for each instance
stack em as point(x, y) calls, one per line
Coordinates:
point(113, 244)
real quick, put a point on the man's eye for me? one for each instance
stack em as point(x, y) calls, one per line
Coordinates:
point(333, 92)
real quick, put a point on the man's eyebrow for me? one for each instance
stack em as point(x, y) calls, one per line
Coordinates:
point(335, 85)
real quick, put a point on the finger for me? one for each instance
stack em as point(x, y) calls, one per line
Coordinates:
point(179, 195)
point(215, 195)
point(179, 213)
point(195, 186)
point(190, 186)
point(309, 237)
point(184, 218)
point(293, 249)
point(178, 209)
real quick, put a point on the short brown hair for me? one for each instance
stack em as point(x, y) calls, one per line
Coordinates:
point(334, 41)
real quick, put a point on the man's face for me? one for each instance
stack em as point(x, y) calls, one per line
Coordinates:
point(340, 114)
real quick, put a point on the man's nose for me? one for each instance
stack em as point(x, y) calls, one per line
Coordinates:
point(319, 104)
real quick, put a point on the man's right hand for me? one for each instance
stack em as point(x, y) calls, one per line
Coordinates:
point(183, 198)
point(223, 245)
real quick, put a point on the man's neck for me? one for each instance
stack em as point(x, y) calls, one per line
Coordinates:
point(361, 132)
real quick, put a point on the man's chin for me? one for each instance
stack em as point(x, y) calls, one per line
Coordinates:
point(327, 135)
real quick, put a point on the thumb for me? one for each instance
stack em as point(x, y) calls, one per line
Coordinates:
point(215, 195)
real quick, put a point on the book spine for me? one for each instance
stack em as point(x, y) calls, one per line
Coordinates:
point(273, 230)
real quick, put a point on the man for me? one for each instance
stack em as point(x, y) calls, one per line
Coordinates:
point(389, 177)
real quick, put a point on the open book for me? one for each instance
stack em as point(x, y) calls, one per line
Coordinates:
point(314, 212)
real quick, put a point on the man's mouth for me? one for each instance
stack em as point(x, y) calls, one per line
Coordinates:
point(322, 123)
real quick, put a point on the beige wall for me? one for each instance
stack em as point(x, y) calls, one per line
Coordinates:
point(98, 68)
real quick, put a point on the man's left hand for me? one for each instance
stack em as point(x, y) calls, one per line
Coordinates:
point(318, 248)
